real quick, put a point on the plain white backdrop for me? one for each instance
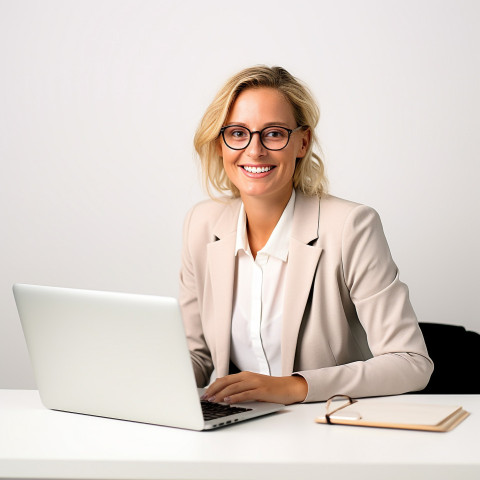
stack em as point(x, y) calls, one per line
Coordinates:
point(99, 102)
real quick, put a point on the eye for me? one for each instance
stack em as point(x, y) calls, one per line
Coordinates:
point(237, 133)
point(275, 133)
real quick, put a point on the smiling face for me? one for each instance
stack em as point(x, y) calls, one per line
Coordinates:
point(256, 171)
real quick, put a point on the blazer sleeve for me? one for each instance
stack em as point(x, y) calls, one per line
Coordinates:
point(400, 362)
point(190, 305)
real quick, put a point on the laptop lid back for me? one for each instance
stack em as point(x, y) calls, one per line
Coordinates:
point(110, 354)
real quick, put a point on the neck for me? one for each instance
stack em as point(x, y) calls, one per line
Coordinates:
point(263, 215)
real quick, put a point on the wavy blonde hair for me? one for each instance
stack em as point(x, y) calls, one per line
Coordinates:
point(309, 174)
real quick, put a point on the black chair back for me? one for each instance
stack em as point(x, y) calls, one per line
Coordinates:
point(456, 355)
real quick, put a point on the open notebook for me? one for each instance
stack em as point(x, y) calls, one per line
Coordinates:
point(117, 355)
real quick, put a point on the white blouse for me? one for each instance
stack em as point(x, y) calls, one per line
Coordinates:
point(258, 297)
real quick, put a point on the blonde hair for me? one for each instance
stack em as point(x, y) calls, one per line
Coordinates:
point(309, 174)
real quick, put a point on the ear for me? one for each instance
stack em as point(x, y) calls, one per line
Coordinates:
point(305, 142)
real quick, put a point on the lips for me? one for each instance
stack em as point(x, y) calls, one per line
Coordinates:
point(257, 169)
point(257, 172)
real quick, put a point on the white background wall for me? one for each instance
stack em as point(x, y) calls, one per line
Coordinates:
point(99, 101)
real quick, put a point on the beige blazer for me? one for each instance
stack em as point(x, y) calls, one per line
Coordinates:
point(348, 325)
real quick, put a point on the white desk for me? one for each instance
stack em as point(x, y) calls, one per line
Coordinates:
point(39, 443)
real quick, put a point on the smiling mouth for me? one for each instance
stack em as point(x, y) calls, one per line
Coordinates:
point(257, 169)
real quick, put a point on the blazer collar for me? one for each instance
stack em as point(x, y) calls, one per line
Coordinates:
point(305, 219)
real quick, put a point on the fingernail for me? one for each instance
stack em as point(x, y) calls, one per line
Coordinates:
point(227, 399)
point(211, 399)
point(203, 397)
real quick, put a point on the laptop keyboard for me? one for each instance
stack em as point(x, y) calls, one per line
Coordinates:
point(212, 411)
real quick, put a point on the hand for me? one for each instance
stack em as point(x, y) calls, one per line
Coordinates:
point(248, 386)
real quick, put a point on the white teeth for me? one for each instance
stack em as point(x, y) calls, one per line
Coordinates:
point(257, 169)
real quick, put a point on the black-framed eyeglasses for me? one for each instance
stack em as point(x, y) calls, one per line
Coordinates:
point(238, 137)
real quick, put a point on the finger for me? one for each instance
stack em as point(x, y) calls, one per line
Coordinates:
point(246, 382)
point(244, 396)
point(253, 389)
point(218, 385)
point(233, 384)
point(232, 390)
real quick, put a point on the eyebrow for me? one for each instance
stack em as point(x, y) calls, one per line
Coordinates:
point(268, 124)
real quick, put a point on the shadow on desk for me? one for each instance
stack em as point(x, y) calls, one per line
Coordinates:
point(456, 355)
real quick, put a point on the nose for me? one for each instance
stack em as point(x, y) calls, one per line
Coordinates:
point(255, 149)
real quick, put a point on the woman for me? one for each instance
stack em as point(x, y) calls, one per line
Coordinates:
point(293, 289)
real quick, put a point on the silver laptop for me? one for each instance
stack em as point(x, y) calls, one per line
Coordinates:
point(117, 355)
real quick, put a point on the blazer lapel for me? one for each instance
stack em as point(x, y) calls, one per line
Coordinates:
point(302, 263)
point(221, 265)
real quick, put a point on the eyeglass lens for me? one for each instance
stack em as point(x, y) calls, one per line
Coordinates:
point(273, 138)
